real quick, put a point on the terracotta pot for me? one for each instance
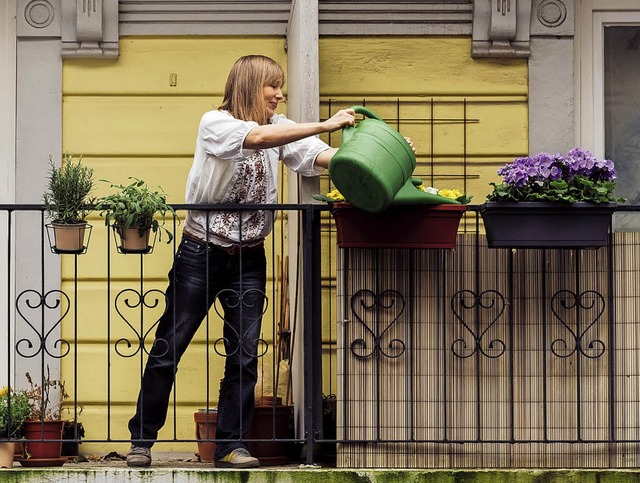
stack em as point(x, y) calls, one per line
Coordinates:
point(69, 238)
point(19, 453)
point(44, 439)
point(132, 242)
point(270, 423)
point(7, 452)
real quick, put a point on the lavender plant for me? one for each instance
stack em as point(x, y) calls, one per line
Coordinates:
point(578, 176)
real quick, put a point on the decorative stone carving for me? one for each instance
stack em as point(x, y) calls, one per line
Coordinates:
point(39, 13)
point(38, 18)
point(551, 13)
point(90, 28)
point(552, 17)
point(501, 28)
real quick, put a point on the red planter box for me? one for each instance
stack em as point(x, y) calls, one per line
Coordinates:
point(400, 226)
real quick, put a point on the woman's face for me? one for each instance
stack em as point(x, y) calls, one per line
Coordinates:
point(272, 96)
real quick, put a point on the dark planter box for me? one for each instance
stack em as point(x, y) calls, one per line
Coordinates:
point(400, 226)
point(547, 225)
point(270, 423)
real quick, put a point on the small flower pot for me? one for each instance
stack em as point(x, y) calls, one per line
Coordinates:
point(69, 238)
point(400, 226)
point(7, 452)
point(547, 225)
point(133, 240)
point(44, 443)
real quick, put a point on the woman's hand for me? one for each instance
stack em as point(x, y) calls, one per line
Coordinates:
point(413, 148)
point(340, 119)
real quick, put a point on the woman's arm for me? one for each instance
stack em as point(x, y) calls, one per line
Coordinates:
point(272, 135)
point(324, 157)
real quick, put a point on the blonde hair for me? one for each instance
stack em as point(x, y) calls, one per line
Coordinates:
point(243, 96)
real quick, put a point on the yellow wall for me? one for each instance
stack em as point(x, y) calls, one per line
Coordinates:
point(411, 72)
point(414, 70)
point(127, 120)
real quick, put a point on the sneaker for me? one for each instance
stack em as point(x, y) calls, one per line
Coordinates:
point(238, 458)
point(139, 456)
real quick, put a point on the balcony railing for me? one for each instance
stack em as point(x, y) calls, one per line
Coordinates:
point(441, 358)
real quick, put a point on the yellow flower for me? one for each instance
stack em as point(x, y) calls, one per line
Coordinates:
point(335, 195)
point(453, 194)
point(428, 189)
point(4, 391)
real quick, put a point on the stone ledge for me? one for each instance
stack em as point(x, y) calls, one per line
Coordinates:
point(311, 475)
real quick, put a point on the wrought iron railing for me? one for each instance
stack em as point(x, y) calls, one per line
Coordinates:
point(463, 357)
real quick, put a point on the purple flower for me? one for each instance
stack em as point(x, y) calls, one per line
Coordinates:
point(545, 167)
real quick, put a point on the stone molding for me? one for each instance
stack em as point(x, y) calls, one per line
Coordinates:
point(90, 29)
point(197, 17)
point(503, 28)
point(453, 17)
point(87, 28)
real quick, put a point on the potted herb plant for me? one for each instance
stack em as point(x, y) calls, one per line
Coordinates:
point(14, 410)
point(67, 202)
point(551, 200)
point(43, 427)
point(419, 217)
point(131, 211)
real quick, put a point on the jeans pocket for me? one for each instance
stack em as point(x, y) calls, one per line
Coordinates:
point(189, 247)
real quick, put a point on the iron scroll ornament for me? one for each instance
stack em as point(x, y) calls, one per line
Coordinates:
point(568, 300)
point(33, 300)
point(365, 300)
point(124, 301)
point(487, 300)
point(234, 300)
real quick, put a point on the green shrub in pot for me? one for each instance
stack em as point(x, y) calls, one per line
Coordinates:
point(134, 207)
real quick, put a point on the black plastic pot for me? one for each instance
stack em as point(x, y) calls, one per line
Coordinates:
point(547, 225)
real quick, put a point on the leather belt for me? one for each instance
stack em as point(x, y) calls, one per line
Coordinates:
point(232, 250)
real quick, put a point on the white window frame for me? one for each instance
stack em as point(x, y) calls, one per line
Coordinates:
point(591, 19)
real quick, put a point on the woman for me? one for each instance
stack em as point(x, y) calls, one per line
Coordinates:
point(221, 254)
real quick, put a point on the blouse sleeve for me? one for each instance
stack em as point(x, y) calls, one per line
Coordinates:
point(300, 156)
point(223, 135)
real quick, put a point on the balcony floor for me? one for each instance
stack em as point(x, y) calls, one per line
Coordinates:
point(183, 468)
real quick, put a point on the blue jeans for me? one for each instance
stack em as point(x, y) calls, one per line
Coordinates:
point(201, 273)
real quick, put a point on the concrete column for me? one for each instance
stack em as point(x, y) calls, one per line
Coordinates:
point(303, 99)
point(38, 134)
point(7, 170)
point(551, 83)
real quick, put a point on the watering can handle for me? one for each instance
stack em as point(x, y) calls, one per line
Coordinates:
point(366, 112)
point(347, 131)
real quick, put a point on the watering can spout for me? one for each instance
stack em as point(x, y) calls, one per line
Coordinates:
point(410, 194)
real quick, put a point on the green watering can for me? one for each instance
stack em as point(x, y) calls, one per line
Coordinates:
point(373, 167)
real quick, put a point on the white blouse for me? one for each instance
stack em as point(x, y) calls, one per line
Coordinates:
point(224, 172)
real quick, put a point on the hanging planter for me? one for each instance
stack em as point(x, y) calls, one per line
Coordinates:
point(547, 225)
point(67, 203)
point(400, 226)
point(69, 238)
point(133, 240)
point(131, 211)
